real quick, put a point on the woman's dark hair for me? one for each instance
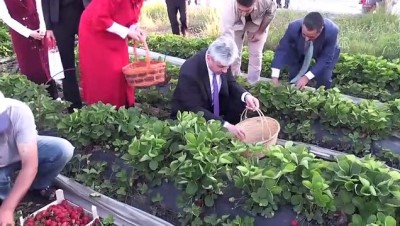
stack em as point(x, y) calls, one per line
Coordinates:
point(313, 21)
point(246, 3)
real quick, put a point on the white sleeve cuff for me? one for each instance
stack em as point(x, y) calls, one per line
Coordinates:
point(310, 75)
point(243, 96)
point(24, 31)
point(275, 73)
point(118, 29)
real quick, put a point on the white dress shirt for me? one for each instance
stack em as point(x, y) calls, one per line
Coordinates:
point(276, 72)
point(219, 82)
point(17, 26)
point(121, 30)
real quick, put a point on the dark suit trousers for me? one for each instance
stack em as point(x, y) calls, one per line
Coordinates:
point(173, 6)
point(286, 3)
point(65, 32)
point(235, 109)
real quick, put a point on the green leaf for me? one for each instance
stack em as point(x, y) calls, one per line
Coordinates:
point(290, 167)
point(307, 184)
point(209, 201)
point(191, 188)
point(288, 144)
point(390, 221)
point(182, 158)
point(153, 165)
point(364, 181)
point(190, 137)
point(356, 220)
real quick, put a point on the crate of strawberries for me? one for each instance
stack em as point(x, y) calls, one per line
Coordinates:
point(62, 212)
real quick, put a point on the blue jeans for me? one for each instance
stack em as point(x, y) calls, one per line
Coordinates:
point(53, 154)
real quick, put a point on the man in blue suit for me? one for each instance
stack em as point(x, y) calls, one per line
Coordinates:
point(311, 37)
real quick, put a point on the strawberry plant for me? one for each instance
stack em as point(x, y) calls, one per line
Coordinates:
point(63, 214)
point(46, 111)
point(201, 166)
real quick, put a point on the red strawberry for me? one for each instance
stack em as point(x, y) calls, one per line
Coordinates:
point(294, 223)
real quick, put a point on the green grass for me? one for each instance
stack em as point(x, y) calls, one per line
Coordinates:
point(375, 34)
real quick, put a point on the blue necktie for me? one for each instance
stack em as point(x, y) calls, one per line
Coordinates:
point(306, 62)
point(215, 95)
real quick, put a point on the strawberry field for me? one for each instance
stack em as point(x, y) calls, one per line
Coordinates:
point(192, 172)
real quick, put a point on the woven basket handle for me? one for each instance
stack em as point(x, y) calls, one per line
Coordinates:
point(243, 116)
point(136, 58)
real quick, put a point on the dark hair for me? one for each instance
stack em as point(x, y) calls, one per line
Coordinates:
point(246, 3)
point(313, 21)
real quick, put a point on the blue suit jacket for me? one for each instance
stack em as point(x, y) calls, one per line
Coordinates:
point(291, 47)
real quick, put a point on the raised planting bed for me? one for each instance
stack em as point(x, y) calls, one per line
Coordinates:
point(185, 175)
point(200, 162)
point(325, 118)
point(358, 75)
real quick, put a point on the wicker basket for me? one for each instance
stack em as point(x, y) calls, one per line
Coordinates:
point(259, 129)
point(141, 74)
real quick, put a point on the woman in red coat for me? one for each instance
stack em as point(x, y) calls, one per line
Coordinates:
point(27, 29)
point(104, 30)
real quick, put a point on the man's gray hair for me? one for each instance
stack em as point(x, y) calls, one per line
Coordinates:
point(223, 50)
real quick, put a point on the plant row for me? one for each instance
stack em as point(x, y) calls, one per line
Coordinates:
point(346, 126)
point(202, 160)
point(359, 75)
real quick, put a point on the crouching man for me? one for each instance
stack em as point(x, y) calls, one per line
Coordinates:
point(206, 84)
point(39, 159)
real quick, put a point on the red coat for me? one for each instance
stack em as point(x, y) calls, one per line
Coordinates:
point(102, 54)
point(31, 54)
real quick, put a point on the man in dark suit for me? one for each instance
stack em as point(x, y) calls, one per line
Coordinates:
point(311, 37)
point(206, 84)
point(62, 21)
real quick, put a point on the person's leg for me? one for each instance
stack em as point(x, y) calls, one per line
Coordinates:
point(52, 89)
point(54, 153)
point(287, 2)
point(235, 67)
point(65, 36)
point(172, 11)
point(5, 178)
point(324, 79)
point(255, 55)
point(293, 69)
point(236, 108)
point(278, 3)
point(182, 16)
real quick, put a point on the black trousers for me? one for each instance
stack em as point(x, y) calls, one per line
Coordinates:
point(235, 109)
point(52, 89)
point(64, 32)
point(173, 6)
point(286, 3)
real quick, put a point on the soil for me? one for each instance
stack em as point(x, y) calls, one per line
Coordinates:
point(8, 65)
point(28, 205)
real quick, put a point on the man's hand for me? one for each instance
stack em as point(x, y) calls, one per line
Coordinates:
point(302, 82)
point(36, 34)
point(255, 37)
point(252, 103)
point(6, 217)
point(237, 132)
point(51, 39)
point(275, 81)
